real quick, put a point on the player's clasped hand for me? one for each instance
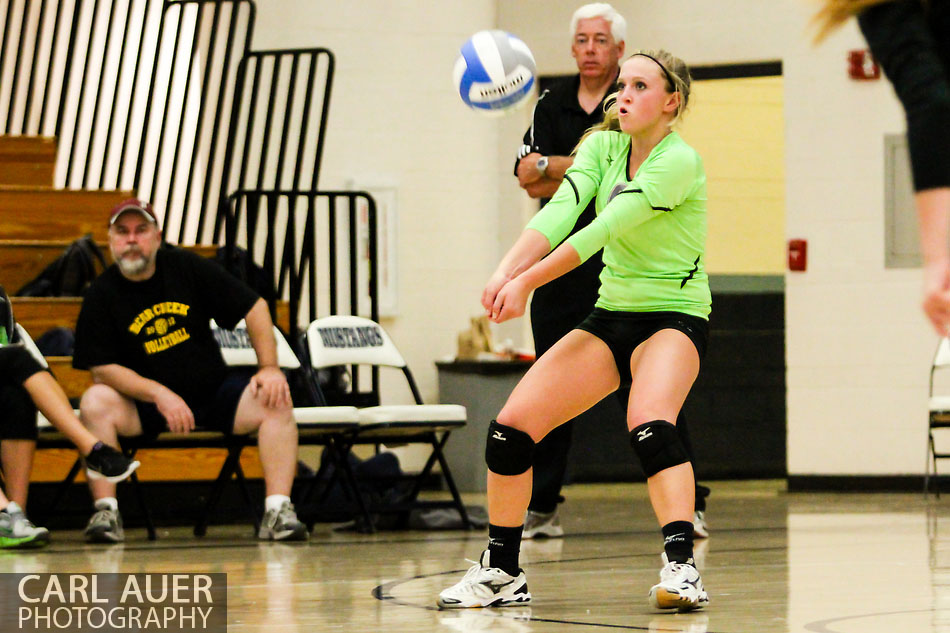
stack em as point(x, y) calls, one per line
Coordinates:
point(497, 281)
point(270, 386)
point(510, 301)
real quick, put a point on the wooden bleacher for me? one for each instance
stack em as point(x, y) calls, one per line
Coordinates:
point(28, 161)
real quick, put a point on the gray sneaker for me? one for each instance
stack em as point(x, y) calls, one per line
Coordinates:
point(542, 525)
point(105, 526)
point(17, 531)
point(282, 525)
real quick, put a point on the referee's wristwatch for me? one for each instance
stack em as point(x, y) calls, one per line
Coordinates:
point(542, 165)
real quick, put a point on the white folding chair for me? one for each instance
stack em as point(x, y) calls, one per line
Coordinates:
point(355, 341)
point(939, 410)
point(237, 351)
point(328, 426)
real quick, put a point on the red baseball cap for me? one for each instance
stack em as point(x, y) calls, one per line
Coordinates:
point(133, 204)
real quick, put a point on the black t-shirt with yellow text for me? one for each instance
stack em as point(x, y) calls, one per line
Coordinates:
point(159, 327)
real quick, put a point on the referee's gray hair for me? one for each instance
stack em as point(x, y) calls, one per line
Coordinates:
point(618, 26)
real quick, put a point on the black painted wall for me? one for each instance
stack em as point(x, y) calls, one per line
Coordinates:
point(736, 410)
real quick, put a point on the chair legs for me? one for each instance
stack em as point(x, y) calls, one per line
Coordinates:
point(63, 487)
point(231, 467)
point(143, 506)
point(411, 499)
point(931, 466)
point(450, 482)
point(337, 451)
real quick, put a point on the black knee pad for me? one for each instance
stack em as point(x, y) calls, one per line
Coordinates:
point(658, 445)
point(508, 450)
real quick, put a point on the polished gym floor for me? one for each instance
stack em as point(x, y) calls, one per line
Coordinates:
point(822, 563)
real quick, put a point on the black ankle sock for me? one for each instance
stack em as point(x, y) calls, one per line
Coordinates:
point(678, 541)
point(504, 544)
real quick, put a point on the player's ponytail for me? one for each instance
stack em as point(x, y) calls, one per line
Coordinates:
point(834, 13)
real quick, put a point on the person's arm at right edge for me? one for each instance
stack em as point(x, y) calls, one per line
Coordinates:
point(933, 214)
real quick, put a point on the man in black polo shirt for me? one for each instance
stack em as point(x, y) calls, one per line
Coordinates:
point(563, 113)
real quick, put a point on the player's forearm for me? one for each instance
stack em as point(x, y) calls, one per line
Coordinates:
point(530, 247)
point(563, 260)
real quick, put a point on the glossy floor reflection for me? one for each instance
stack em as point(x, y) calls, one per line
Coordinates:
point(822, 563)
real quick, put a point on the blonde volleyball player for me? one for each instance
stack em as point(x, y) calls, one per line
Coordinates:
point(648, 329)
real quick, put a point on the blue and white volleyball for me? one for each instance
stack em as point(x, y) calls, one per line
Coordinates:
point(494, 72)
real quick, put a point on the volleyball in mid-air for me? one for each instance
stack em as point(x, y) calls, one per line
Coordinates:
point(494, 72)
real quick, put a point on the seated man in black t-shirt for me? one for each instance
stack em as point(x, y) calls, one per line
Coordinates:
point(144, 332)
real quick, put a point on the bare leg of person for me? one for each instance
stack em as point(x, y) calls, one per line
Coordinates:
point(50, 399)
point(570, 378)
point(663, 369)
point(17, 459)
point(574, 375)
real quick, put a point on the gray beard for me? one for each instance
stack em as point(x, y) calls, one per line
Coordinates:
point(134, 267)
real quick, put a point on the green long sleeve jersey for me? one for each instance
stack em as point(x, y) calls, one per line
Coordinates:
point(652, 228)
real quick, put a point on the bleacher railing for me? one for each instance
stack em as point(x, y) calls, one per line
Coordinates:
point(137, 93)
point(278, 122)
point(164, 97)
point(319, 246)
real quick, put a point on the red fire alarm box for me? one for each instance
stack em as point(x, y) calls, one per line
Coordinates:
point(861, 66)
point(797, 255)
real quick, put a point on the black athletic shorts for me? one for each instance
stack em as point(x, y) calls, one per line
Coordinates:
point(624, 331)
point(19, 413)
point(17, 364)
point(214, 414)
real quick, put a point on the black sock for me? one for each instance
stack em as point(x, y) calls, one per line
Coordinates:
point(504, 544)
point(678, 541)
